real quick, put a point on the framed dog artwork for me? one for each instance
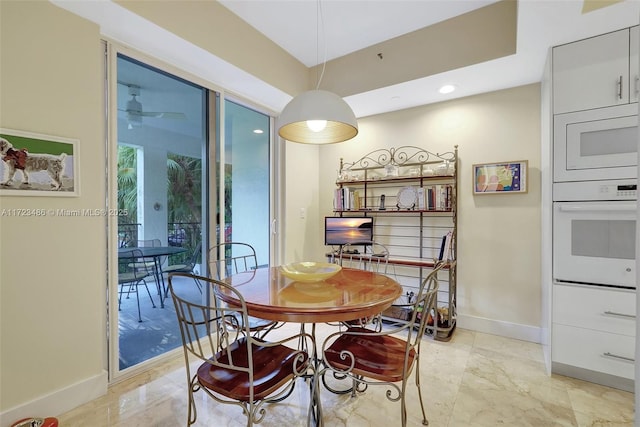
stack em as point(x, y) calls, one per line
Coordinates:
point(38, 165)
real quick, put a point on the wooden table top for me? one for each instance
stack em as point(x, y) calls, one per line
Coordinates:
point(350, 294)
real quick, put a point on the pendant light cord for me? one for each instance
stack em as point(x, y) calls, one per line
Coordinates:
point(320, 20)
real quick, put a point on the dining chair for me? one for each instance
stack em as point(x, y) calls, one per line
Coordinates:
point(369, 357)
point(189, 266)
point(131, 274)
point(152, 264)
point(148, 262)
point(373, 257)
point(226, 259)
point(234, 366)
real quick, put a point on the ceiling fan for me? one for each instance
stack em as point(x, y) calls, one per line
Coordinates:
point(135, 113)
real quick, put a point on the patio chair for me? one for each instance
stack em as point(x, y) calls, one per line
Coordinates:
point(189, 266)
point(226, 259)
point(369, 357)
point(132, 273)
point(151, 243)
point(235, 367)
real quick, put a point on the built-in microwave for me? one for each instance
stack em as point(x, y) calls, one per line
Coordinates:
point(598, 144)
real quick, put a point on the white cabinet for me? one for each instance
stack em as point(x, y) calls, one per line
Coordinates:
point(601, 71)
point(594, 329)
point(634, 47)
point(594, 103)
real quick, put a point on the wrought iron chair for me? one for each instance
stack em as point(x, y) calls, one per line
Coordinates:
point(150, 243)
point(369, 357)
point(189, 266)
point(132, 273)
point(371, 257)
point(235, 367)
point(151, 264)
point(226, 259)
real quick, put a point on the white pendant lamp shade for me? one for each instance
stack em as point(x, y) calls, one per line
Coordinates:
point(316, 107)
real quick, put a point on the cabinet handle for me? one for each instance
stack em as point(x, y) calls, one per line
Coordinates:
point(620, 87)
point(613, 313)
point(615, 356)
point(636, 85)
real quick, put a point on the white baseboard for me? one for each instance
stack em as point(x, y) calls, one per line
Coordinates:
point(501, 328)
point(58, 402)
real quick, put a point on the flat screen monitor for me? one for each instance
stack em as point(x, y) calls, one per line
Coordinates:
point(348, 230)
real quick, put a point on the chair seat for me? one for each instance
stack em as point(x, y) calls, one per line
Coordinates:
point(377, 356)
point(131, 277)
point(274, 366)
point(257, 324)
point(183, 268)
point(142, 264)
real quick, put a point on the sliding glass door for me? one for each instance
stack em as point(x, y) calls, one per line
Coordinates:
point(247, 178)
point(162, 182)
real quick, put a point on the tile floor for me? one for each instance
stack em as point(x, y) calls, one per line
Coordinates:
point(474, 380)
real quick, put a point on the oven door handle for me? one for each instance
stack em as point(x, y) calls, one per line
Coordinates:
point(609, 207)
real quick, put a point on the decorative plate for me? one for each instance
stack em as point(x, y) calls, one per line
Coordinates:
point(407, 198)
point(310, 271)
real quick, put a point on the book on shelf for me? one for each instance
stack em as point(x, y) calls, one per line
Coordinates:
point(446, 248)
point(355, 200)
point(442, 245)
point(438, 197)
point(346, 199)
point(421, 201)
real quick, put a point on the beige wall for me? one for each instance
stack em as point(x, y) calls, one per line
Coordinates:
point(52, 269)
point(499, 235)
point(301, 239)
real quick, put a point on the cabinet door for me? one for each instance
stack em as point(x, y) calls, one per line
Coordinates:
point(634, 75)
point(588, 73)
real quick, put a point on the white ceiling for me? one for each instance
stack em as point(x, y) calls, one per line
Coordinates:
point(350, 25)
point(354, 24)
point(344, 26)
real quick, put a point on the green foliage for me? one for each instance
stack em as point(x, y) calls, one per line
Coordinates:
point(127, 184)
point(184, 184)
point(184, 199)
point(184, 196)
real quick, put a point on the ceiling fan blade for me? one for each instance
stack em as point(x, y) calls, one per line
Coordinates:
point(165, 115)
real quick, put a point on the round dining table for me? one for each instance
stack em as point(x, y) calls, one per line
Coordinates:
point(155, 253)
point(350, 294)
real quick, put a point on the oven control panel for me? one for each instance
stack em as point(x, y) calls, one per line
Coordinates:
point(619, 191)
point(622, 189)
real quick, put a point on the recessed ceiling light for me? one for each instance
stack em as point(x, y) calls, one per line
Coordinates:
point(447, 89)
point(258, 131)
point(395, 98)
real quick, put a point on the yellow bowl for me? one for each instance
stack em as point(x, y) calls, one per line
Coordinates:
point(310, 271)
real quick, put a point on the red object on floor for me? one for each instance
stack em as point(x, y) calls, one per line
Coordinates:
point(36, 422)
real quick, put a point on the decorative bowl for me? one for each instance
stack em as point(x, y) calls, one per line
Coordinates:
point(307, 271)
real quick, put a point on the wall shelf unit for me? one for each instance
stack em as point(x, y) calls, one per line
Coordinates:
point(412, 195)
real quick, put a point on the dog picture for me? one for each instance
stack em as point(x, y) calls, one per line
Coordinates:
point(20, 159)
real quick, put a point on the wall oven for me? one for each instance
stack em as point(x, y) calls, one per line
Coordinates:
point(594, 227)
point(597, 144)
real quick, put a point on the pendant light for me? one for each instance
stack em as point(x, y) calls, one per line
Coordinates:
point(317, 116)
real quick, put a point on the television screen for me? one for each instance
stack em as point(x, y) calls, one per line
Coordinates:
point(348, 230)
